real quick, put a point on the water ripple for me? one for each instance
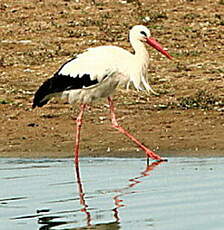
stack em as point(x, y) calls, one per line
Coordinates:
point(112, 194)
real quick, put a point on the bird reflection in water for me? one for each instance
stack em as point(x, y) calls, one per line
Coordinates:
point(134, 181)
point(50, 221)
point(104, 226)
point(82, 196)
point(117, 200)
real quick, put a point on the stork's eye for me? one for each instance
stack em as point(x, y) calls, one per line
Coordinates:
point(144, 33)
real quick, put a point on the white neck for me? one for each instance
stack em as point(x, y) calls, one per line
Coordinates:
point(141, 59)
point(141, 54)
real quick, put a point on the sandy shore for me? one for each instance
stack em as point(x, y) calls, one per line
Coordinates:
point(187, 119)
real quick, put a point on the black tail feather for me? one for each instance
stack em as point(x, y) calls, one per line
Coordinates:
point(59, 83)
point(43, 94)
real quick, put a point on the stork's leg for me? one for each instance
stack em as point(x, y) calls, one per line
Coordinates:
point(115, 124)
point(78, 129)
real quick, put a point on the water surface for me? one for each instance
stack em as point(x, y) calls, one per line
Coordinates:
point(112, 193)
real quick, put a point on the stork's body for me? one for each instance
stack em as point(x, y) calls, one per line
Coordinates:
point(97, 72)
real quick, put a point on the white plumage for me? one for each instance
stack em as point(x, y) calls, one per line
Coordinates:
point(97, 72)
point(104, 68)
point(110, 67)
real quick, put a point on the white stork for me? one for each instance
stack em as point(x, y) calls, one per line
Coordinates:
point(96, 73)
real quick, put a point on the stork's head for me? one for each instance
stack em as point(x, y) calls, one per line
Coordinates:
point(142, 33)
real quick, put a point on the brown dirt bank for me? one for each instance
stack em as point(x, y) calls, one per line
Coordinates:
point(186, 119)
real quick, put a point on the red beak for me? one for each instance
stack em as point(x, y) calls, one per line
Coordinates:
point(152, 42)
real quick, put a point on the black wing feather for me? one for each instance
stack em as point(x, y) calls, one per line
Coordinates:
point(59, 83)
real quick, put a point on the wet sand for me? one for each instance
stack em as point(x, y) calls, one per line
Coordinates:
point(50, 131)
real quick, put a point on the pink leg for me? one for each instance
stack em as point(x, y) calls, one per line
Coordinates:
point(78, 129)
point(115, 124)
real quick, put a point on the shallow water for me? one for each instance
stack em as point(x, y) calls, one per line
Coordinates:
point(110, 193)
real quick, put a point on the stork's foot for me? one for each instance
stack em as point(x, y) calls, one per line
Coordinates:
point(152, 155)
point(158, 161)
